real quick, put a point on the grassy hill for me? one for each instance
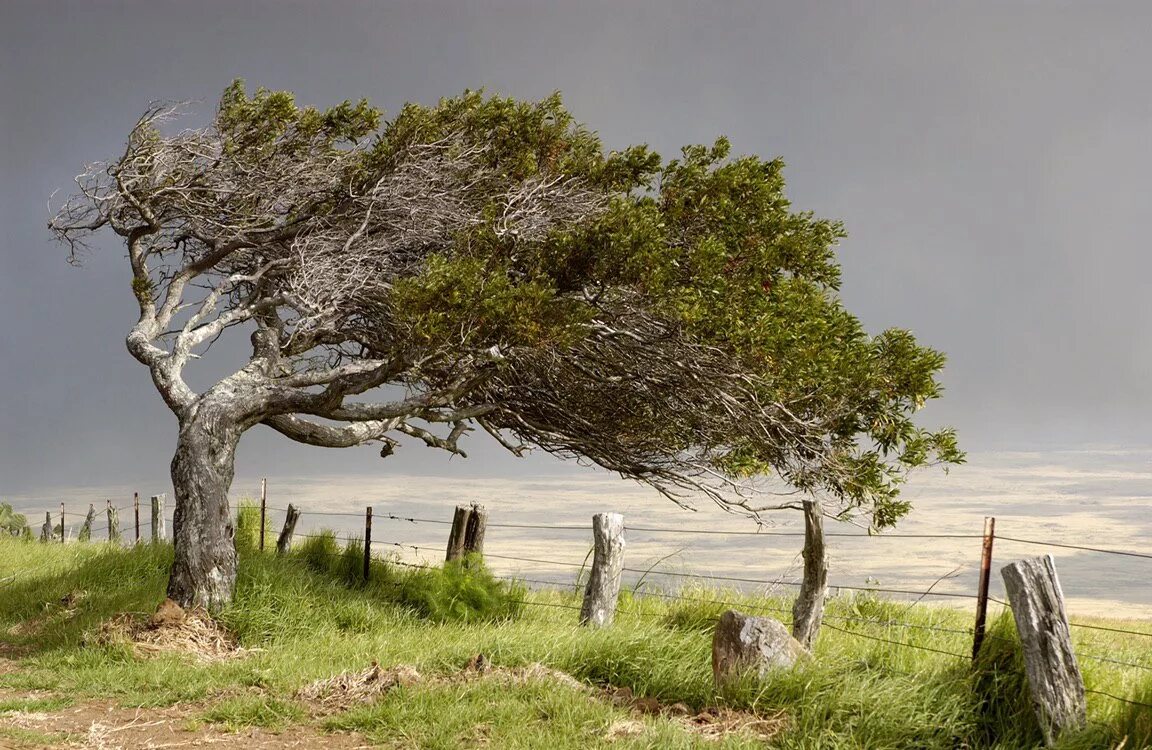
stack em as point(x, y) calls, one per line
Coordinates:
point(646, 682)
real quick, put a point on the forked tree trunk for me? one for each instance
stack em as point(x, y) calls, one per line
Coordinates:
point(808, 610)
point(204, 569)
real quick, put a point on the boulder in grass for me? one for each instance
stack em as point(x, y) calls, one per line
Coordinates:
point(743, 644)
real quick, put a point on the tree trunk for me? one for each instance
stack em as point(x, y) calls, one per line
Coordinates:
point(808, 611)
point(204, 569)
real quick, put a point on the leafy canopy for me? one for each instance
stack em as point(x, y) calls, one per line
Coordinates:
point(675, 321)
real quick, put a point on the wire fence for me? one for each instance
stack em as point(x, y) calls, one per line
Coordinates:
point(65, 525)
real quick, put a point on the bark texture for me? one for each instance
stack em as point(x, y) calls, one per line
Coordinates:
point(1053, 675)
point(603, 589)
point(204, 567)
point(808, 609)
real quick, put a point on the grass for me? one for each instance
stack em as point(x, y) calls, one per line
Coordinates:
point(309, 616)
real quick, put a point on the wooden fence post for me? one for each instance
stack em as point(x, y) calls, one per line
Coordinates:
point(62, 534)
point(285, 540)
point(1053, 675)
point(474, 533)
point(113, 524)
point(86, 530)
point(458, 533)
point(367, 542)
point(158, 532)
point(46, 530)
point(982, 588)
point(603, 589)
point(263, 508)
point(136, 508)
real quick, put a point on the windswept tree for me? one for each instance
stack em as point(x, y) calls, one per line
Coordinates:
point(485, 264)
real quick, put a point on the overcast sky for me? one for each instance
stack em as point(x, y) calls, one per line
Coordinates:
point(992, 162)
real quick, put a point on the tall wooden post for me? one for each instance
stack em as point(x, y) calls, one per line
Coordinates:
point(367, 542)
point(62, 534)
point(1053, 675)
point(285, 540)
point(982, 587)
point(474, 532)
point(113, 524)
point(458, 533)
point(603, 589)
point(263, 508)
point(158, 531)
point(136, 509)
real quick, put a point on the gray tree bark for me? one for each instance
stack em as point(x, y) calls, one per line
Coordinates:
point(603, 589)
point(808, 609)
point(1053, 675)
point(204, 567)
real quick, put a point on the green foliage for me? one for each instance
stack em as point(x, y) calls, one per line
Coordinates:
point(247, 532)
point(1134, 719)
point(250, 125)
point(13, 523)
point(1000, 689)
point(459, 591)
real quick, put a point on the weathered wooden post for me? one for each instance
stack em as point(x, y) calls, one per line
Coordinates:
point(136, 508)
point(113, 524)
point(474, 533)
point(158, 532)
point(367, 542)
point(458, 533)
point(62, 534)
point(86, 530)
point(982, 588)
point(263, 508)
point(46, 530)
point(285, 540)
point(603, 589)
point(1053, 675)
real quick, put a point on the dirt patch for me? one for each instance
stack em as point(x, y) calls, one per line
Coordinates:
point(171, 630)
point(105, 726)
point(712, 723)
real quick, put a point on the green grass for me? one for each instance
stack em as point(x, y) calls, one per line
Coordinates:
point(309, 615)
point(238, 713)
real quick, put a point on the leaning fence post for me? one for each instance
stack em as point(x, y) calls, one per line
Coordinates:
point(285, 540)
point(113, 524)
point(86, 530)
point(1053, 675)
point(46, 530)
point(62, 535)
point(263, 508)
point(158, 532)
point(982, 589)
point(458, 533)
point(136, 508)
point(367, 541)
point(603, 589)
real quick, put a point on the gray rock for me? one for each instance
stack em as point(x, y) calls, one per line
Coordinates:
point(743, 644)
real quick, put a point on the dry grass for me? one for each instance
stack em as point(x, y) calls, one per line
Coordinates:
point(193, 634)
